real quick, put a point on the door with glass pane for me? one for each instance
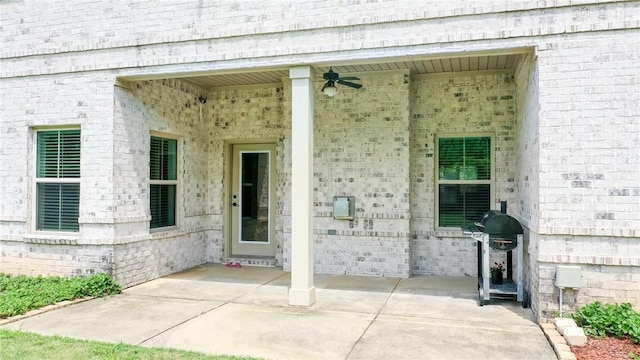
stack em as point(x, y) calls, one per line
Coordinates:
point(253, 200)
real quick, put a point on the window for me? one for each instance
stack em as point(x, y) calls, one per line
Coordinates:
point(57, 180)
point(163, 167)
point(464, 179)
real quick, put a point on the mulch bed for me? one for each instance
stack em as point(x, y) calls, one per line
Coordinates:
point(607, 348)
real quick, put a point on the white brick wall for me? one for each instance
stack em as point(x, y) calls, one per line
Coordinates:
point(47, 101)
point(137, 262)
point(172, 108)
point(604, 283)
point(37, 257)
point(456, 104)
point(362, 150)
point(589, 166)
point(133, 35)
point(527, 168)
point(238, 114)
point(364, 246)
point(590, 136)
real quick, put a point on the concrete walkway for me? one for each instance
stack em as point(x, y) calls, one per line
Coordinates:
point(244, 311)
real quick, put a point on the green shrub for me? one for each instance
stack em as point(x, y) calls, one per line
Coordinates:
point(599, 320)
point(19, 294)
point(97, 286)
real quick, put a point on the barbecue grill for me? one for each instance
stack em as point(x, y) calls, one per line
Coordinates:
point(501, 232)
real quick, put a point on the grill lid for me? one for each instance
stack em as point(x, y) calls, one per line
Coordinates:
point(503, 229)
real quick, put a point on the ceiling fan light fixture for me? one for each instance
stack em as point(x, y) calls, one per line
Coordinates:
point(332, 78)
point(330, 89)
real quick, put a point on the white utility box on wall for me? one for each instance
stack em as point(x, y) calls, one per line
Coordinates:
point(344, 207)
point(568, 276)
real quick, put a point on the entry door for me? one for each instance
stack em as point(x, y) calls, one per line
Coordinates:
point(253, 200)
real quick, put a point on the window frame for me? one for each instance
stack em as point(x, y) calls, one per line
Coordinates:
point(437, 181)
point(50, 180)
point(176, 182)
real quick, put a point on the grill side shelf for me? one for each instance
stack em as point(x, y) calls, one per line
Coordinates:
point(473, 232)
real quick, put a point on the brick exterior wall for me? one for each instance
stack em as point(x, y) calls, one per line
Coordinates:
point(162, 108)
point(587, 173)
point(527, 169)
point(456, 104)
point(37, 257)
point(589, 165)
point(45, 102)
point(241, 114)
point(566, 126)
point(362, 150)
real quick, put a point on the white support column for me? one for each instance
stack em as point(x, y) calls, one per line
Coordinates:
point(302, 292)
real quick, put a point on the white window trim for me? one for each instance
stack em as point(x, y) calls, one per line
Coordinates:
point(438, 182)
point(36, 180)
point(177, 182)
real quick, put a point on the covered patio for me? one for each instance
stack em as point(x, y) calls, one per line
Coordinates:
point(244, 311)
point(376, 143)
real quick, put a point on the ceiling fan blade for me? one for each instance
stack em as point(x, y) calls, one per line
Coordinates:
point(330, 76)
point(350, 84)
point(349, 78)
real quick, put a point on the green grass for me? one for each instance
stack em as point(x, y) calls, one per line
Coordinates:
point(27, 346)
point(19, 294)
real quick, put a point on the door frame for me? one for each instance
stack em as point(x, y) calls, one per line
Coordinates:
point(228, 187)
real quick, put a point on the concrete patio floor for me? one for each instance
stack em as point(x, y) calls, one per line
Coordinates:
point(244, 311)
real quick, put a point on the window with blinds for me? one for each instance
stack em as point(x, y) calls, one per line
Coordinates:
point(464, 179)
point(163, 181)
point(57, 180)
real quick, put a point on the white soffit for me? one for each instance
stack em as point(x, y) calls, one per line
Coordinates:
point(500, 62)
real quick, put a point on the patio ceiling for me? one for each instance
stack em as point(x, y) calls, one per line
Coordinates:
point(500, 62)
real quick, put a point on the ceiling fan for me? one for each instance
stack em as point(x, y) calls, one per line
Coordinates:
point(332, 77)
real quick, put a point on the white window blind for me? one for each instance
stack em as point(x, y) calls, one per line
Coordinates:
point(58, 180)
point(163, 174)
point(464, 179)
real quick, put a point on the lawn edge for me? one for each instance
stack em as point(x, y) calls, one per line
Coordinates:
point(43, 310)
